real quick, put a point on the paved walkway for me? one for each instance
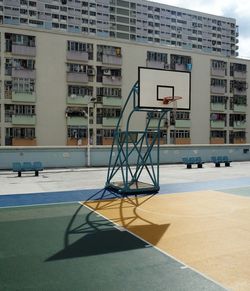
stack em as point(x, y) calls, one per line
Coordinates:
point(94, 178)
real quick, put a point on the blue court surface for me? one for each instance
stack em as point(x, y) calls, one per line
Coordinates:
point(239, 185)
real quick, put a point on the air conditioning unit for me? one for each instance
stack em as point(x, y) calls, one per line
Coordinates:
point(91, 72)
point(106, 72)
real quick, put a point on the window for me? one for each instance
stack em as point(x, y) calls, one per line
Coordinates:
point(179, 60)
point(235, 67)
point(238, 85)
point(240, 100)
point(218, 99)
point(74, 91)
point(18, 110)
point(111, 112)
point(23, 85)
point(20, 132)
point(77, 132)
point(76, 68)
point(106, 91)
point(7, 89)
point(80, 47)
point(21, 64)
point(180, 133)
point(218, 82)
point(218, 134)
point(219, 65)
point(108, 133)
point(182, 115)
point(157, 57)
point(107, 50)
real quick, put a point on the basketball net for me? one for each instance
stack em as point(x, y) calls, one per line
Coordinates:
point(172, 99)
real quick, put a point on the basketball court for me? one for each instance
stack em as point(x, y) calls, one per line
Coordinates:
point(192, 235)
point(149, 227)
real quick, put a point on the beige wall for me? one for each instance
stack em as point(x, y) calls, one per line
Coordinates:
point(51, 89)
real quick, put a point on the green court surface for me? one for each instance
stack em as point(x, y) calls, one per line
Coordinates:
point(68, 247)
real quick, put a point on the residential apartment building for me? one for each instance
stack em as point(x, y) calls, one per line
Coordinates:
point(133, 20)
point(68, 66)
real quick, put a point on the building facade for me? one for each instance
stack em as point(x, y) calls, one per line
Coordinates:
point(132, 20)
point(63, 75)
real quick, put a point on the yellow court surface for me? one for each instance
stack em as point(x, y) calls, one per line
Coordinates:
point(208, 231)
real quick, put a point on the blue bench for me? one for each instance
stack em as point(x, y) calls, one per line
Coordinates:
point(193, 161)
point(27, 166)
point(221, 160)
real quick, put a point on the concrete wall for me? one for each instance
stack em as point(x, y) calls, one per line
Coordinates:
point(69, 157)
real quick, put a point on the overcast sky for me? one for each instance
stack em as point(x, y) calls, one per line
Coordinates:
point(240, 10)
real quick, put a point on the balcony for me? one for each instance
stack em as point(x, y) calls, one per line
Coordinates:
point(182, 123)
point(218, 106)
point(155, 64)
point(18, 119)
point(112, 101)
point(239, 108)
point(240, 75)
point(179, 140)
point(78, 100)
point(154, 123)
point(112, 80)
point(109, 121)
point(217, 140)
point(180, 67)
point(23, 73)
point(218, 89)
point(239, 124)
point(111, 60)
point(76, 142)
point(239, 140)
point(217, 123)
point(23, 141)
point(77, 56)
point(77, 77)
point(218, 72)
point(183, 66)
point(77, 121)
point(239, 91)
point(24, 50)
point(107, 140)
point(24, 97)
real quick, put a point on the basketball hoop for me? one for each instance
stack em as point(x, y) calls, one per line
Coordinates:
point(170, 99)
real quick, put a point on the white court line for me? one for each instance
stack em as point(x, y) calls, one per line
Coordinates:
point(41, 204)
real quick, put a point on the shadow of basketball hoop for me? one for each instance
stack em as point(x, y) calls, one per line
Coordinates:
point(124, 213)
point(89, 233)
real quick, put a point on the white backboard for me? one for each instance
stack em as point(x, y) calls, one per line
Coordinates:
point(155, 84)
